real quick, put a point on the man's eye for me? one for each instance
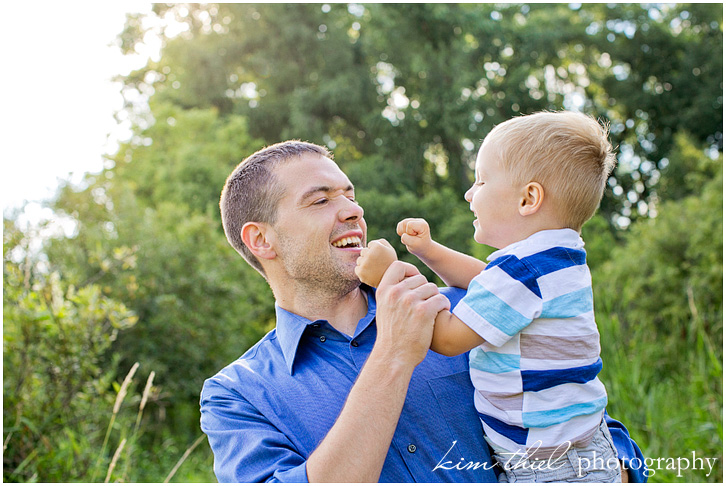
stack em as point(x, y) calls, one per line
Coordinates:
point(320, 202)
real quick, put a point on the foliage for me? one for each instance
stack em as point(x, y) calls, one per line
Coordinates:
point(59, 393)
point(676, 257)
point(421, 84)
point(54, 388)
point(660, 309)
point(148, 234)
point(403, 95)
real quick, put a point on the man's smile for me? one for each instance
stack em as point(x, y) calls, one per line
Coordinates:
point(350, 240)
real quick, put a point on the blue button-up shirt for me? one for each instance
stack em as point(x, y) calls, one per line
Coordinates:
point(266, 413)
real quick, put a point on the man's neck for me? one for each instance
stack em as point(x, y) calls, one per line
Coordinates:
point(342, 311)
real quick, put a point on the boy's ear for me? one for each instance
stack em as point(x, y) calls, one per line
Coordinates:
point(259, 237)
point(532, 199)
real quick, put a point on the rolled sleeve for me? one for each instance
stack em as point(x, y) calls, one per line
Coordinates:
point(247, 447)
point(628, 451)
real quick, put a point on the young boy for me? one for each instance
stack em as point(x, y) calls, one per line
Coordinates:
point(528, 315)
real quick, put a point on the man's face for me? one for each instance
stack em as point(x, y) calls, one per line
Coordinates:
point(320, 228)
point(494, 200)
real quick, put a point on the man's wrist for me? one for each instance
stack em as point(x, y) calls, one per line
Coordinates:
point(392, 364)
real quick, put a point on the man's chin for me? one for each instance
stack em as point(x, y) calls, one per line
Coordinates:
point(350, 282)
point(342, 288)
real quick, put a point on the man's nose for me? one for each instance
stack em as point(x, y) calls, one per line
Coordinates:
point(350, 211)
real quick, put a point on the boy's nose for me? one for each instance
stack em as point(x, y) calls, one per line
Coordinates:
point(467, 194)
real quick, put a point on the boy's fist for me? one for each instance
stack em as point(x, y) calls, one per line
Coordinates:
point(373, 262)
point(415, 234)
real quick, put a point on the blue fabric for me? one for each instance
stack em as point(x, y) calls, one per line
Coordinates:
point(547, 418)
point(516, 268)
point(556, 258)
point(536, 380)
point(266, 413)
point(572, 304)
point(494, 310)
point(517, 434)
point(492, 362)
point(628, 451)
point(528, 269)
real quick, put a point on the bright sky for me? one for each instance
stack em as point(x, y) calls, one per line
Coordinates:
point(58, 98)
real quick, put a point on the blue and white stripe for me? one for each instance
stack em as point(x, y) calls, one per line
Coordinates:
point(536, 374)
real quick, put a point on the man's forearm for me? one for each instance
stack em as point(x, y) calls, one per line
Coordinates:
point(407, 306)
point(368, 420)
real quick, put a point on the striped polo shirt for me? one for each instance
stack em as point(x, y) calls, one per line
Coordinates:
point(536, 381)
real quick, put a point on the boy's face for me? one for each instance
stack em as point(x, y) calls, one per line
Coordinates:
point(494, 200)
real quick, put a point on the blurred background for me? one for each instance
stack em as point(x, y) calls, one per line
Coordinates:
point(121, 294)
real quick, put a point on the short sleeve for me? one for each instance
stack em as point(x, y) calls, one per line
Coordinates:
point(247, 447)
point(501, 301)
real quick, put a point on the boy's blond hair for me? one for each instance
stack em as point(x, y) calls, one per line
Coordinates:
point(567, 152)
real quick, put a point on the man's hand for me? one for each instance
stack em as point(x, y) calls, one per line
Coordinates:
point(416, 235)
point(373, 262)
point(407, 305)
point(405, 309)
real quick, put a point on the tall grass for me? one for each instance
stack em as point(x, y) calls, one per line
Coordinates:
point(127, 451)
point(116, 407)
point(668, 391)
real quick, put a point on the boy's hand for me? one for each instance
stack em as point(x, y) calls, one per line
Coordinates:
point(416, 235)
point(373, 262)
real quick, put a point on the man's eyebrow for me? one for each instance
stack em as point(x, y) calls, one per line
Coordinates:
point(326, 189)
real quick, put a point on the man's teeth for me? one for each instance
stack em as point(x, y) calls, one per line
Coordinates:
point(351, 240)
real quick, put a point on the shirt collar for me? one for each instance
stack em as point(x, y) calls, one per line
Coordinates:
point(565, 237)
point(290, 327)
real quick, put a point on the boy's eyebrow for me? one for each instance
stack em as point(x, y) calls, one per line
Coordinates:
point(327, 189)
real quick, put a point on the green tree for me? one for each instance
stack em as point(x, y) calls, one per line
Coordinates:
point(56, 386)
point(148, 234)
point(422, 84)
point(669, 272)
point(659, 306)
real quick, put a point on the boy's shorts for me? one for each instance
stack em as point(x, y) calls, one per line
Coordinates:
point(596, 463)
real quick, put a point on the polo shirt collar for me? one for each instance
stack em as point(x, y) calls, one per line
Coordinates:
point(290, 327)
point(566, 237)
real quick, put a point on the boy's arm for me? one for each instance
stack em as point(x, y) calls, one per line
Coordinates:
point(451, 336)
point(455, 269)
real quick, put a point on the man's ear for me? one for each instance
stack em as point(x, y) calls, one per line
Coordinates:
point(258, 237)
point(532, 198)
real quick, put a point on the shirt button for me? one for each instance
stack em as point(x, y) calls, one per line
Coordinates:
point(322, 339)
point(411, 448)
point(354, 343)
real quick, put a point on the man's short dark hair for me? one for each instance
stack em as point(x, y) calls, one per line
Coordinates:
point(252, 193)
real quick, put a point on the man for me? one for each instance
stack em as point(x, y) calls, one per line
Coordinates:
point(345, 387)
